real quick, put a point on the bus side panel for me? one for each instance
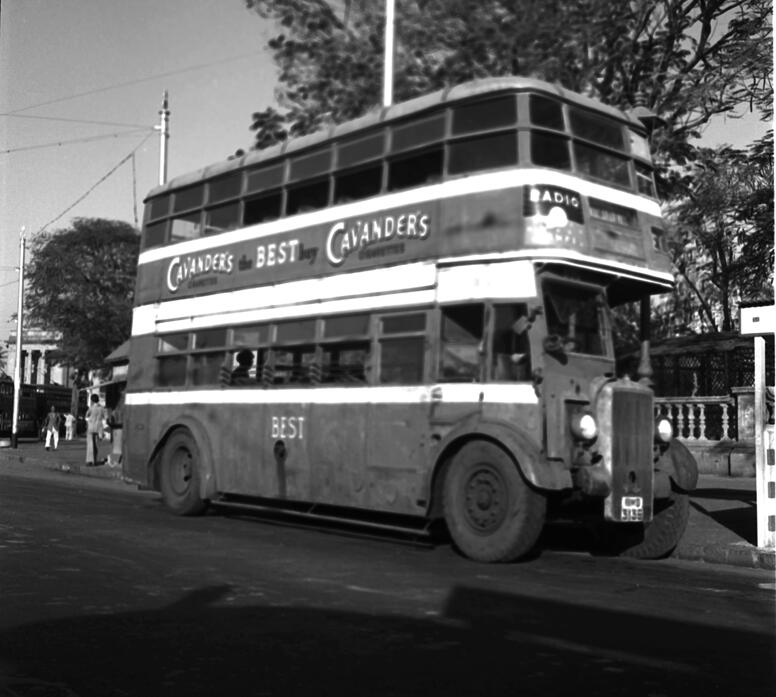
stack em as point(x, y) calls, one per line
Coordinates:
point(335, 442)
point(396, 456)
point(138, 443)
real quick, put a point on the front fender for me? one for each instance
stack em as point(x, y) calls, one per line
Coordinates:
point(680, 465)
point(539, 471)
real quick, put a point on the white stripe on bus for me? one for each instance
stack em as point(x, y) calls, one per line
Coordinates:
point(360, 291)
point(480, 183)
point(443, 393)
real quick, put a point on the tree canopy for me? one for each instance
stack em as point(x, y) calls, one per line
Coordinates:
point(81, 283)
point(722, 244)
point(686, 60)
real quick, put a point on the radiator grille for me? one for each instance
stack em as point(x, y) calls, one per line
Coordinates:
point(631, 431)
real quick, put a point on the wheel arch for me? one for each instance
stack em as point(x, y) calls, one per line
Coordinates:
point(527, 456)
point(198, 432)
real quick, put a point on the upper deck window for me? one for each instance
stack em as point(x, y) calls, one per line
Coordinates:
point(210, 338)
point(263, 178)
point(186, 227)
point(310, 165)
point(308, 196)
point(358, 183)
point(546, 112)
point(416, 170)
point(186, 199)
point(173, 342)
point(483, 152)
point(224, 188)
point(222, 218)
point(158, 207)
point(602, 165)
point(263, 208)
point(596, 128)
point(487, 115)
point(550, 150)
point(417, 133)
point(360, 150)
point(155, 235)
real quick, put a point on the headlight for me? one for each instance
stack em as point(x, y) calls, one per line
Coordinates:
point(583, 426)
point(664, 430)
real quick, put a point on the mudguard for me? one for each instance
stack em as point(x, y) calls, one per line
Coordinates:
point(543, 474)
point(680, 465)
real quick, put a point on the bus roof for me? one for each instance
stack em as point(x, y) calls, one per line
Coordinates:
point(384, 115)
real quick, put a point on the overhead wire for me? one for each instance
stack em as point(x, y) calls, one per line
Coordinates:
point(129, 83)
point(93, 187)
point(70, 120)
point(86, 139)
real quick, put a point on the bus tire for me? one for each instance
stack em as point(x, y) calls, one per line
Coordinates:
point(492, 513)
point(658, 538)
point(180, 476)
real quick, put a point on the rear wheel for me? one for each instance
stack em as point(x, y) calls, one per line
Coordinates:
point(493, 515)
point(180, 474)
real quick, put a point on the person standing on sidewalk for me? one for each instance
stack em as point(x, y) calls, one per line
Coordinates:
point(69, 426)
point(52, 427)
point(95, 415)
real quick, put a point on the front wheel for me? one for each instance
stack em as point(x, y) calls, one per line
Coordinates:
point(180, 474)
point(493, 515)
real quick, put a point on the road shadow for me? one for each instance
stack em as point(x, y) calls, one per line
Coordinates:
point(733, 509)
point(483, 644)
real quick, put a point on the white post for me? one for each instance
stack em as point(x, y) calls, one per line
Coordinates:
point(17, 373)
point(389, 52)
point(757, 321)
point(164, 135)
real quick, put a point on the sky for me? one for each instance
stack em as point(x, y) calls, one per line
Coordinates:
point(73, 61)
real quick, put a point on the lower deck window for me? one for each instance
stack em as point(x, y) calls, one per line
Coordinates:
point(171, 371)
point(401, 360)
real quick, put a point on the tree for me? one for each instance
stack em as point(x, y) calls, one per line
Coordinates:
point(81, 284)
point(684, 59)
point(722, 246)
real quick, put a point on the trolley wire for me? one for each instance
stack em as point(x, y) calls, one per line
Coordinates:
point(129, 83)
point(86, 139)
point(93, 187)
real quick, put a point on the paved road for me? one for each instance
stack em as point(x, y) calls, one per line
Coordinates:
point(103, 593)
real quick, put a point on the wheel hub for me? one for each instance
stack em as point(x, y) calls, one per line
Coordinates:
point(486, 500)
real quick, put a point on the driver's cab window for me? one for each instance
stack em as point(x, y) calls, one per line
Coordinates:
point(462, 343)
point(511, 357)
point(575, 315)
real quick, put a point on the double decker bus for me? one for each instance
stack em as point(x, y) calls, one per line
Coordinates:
point(408, 315)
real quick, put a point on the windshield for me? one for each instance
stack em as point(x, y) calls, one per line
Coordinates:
point(575, 314)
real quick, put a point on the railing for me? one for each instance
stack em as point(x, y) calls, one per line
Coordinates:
point(700, 418)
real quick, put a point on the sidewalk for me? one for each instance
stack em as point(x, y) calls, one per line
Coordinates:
point(722, 528)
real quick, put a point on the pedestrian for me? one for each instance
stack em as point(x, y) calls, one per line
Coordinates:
point(95, 415)
point(69, 426)
point(52, 427)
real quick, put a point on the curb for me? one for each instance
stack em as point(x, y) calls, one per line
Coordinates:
point(737, 554)
point(98, 472)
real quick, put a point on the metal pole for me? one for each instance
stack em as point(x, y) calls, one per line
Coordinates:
point(389, 51)
point(164, 135)
point(17, 373)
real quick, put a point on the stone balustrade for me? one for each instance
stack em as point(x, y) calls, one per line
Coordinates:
point(700, 418)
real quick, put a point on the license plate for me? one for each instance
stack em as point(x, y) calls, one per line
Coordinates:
point(632, 508)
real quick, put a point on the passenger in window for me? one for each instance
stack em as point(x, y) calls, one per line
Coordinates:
point(241, 374)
